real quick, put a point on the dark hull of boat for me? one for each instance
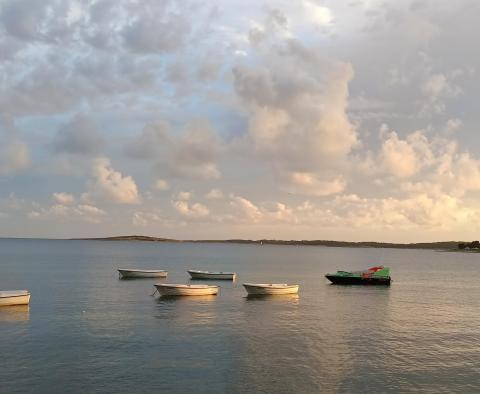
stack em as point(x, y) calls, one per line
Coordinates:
point(346, 280)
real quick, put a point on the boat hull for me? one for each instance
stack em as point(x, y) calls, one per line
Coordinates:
point(131, 274)
point(345, 280)
point(212, 275)
point(186, 290)
point(253, 289)
point(14, 299)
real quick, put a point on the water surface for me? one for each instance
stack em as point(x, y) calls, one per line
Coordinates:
point(87, 331)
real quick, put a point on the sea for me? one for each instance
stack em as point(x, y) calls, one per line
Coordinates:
point(87, 331)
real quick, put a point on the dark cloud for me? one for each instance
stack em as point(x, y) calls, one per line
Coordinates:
point(23, 18)
point(80, 136)
point(150, 144)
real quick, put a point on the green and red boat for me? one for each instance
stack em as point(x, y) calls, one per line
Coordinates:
point(379, 275)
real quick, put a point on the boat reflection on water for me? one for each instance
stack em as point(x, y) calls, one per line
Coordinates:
point(167, 299)
point(292, 298)
point(188, 312)
point(15, 313)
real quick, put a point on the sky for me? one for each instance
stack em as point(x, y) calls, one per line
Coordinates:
point(347, 120)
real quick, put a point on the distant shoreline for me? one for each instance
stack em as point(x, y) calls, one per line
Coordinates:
point(444, 245)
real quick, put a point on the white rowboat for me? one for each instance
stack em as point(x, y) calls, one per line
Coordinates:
point(270, 288)
point(14, 297)
point(195, 274)
point(136, 273)
point(185, 290)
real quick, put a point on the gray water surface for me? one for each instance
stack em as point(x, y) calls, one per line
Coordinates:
point(88, 331)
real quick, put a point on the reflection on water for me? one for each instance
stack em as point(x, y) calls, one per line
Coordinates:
point(87, 331)
point(178, 299)
point(272, 297)
point(14, 313)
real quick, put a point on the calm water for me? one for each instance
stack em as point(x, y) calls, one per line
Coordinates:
point(87, 331)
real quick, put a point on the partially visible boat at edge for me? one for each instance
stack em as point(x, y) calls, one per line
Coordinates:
point(379, 275)
point(196, 274)
point(127, 273)
point(270, 288)
point(14, 297)
point(185, 290)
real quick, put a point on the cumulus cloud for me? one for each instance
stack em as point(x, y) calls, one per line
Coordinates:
point(296, 102)
point(194, 210)
point(111, 185)
point(226, 99)
point(63, 198)
point(310, 184)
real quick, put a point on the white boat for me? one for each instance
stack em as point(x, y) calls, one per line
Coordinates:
point(195, 274)
point(270, 288)
point(137, 273)
point(14, 297)
point(185, 290)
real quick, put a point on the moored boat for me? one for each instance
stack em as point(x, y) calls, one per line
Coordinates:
point(379, 275)
point(185, 290)
point(196, 274)
point(127, 273)
point(270, 288)
point(14, 297)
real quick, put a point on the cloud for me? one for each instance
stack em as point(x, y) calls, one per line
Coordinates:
point(318, 14)
point(196, 152)
point(14, 155)
point(80, 136)
point(194, 210)
point(63, 198)
point(310, 184)
point(296, 102)
point(157, 29)
point(184, 196)
point(190, 153)
point(161, 184)
point(111, 185)
point(84, 212)
point(215, 194)
point(23, 18)
point(398, 157)
point(150, 143)
point(249, 209)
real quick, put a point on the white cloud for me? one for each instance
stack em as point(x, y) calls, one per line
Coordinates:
point(318, 14)
point(111, 185)
point(296, 102)
point(310, 184)
point(250, 210)
point(398, 157)
point(63, 198)
point(194, 210)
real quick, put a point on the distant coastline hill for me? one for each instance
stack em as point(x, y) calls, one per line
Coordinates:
point(446, 245)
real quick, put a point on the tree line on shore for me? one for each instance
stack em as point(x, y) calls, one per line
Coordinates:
point(469, 245)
